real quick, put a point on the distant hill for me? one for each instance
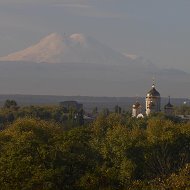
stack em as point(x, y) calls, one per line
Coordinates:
point(90, 79)
point(88, 102)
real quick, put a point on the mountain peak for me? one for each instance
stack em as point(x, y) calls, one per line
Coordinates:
point(78, 38)
point(53, 37)
point(76, 48)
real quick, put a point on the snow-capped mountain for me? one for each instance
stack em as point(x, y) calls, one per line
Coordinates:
point(83, 65)
point(76, 48)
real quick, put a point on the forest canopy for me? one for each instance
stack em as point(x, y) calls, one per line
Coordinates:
point(49, 152)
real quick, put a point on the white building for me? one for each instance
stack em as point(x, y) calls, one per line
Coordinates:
point(136, 110)
point(153, 101)
point(153, 105)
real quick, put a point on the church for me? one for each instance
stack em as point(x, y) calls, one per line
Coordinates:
point(153, 105)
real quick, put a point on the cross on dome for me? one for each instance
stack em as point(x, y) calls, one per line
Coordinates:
point(153, 84)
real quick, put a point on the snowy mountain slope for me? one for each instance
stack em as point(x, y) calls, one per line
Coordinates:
point(76, 48)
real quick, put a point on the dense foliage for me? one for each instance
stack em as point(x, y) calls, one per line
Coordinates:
point(115, 151)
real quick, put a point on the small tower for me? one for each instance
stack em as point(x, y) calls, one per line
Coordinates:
point(136, 109)
point(153, 101)
point(169, 108)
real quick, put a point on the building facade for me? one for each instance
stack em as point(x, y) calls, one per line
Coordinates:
point(136, 109)
point(153, 101)
point(153, 105)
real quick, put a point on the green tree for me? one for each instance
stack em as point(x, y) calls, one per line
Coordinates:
point(10, 104)
point(118, 109)
point(105, 112)
point(37, 154)
point(95, 111)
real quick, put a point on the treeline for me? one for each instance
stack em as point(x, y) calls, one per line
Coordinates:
point(115, 151)
point(111, 153)
point(11, 111)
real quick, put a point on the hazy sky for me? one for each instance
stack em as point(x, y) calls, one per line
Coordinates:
point(158, 30)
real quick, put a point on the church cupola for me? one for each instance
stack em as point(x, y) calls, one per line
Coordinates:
point(169, 108)
point(136, 109)
point(153, 92)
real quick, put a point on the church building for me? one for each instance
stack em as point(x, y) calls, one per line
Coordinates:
point(153, 101)
point(136, 110)
point(169, 108)
point(153, 104)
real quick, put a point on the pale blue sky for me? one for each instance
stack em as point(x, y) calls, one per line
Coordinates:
point(158, 30)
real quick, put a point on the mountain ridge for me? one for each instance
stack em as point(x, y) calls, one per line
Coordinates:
point(56, 48)
point(82, 65)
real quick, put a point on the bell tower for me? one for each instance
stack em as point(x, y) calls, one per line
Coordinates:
point(169, 108)
point(153, 101)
